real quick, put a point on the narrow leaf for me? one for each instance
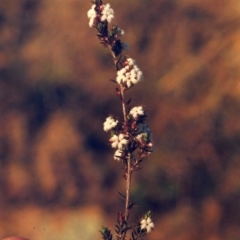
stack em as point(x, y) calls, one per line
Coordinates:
point(122, 196)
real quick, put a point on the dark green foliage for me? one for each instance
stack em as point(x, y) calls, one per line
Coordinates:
point(106, 233)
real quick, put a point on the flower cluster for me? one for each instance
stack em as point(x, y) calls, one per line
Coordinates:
point(92, 14)
point(134, 134)
point(137, 112)
point(109, 124)
point(119, 141)
point(142, 132)
point(105, 13)
point(147, 224)
point(118, 155)
point(130, 74)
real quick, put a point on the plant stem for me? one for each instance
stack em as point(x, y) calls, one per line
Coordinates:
point(128, 164)
point(123, 103)
point(128, 168)
point(121, 86)
point(128, 186)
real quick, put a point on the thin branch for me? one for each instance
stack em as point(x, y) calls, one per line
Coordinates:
point(128, 186)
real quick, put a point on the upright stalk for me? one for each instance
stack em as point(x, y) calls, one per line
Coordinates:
point(128, 172)
point(122, 89)
point(123, 103)
point(131, 137)
point(128, 186)
point(128, 163)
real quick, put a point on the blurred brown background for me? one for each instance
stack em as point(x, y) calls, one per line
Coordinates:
point(57, 175)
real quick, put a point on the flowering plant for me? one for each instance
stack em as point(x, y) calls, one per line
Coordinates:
point(130, 136)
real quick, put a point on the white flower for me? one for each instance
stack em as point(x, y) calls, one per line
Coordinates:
point(142, 137)
point(131, 61)
point(130, 74)
point(136, 112)
point(143, 133)
point(107, 13)
point(147, 224)
point(121, 75)
point(109, 124)
point(92, 15)
point(118, 155)
point(118, 141)
point(119, 31)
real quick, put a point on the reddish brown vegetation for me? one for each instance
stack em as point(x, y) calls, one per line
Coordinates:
point(54, 99)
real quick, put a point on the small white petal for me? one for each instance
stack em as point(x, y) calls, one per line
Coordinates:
point(119, 79)
point(103, 18)
point(134, 81)
point(109, 18)
point(128, 75)
point(129, 84)
point(127, 68)
point(117, 155)
point(107, 13)
point(92, 11)
point(131, 62)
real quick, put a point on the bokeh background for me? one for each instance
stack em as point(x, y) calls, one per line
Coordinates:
point(57, 175)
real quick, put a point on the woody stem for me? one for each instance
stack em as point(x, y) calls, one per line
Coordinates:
point(128, 186)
